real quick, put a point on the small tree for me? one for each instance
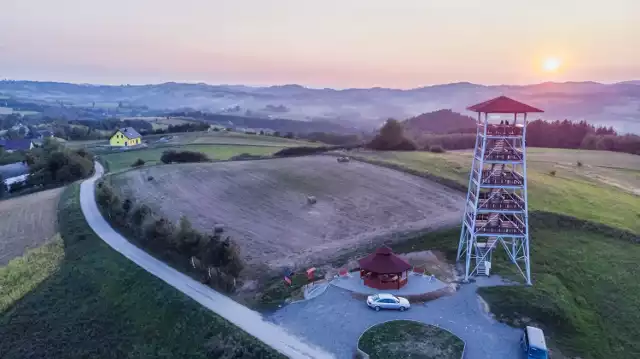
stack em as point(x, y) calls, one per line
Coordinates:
point(392, 138)
point(138, 163)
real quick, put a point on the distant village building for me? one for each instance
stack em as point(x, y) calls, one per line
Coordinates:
point(14, 173)
point(19, 126)
point(124, 137)
point(17, 145)
point(216, 128)
point(42, 134)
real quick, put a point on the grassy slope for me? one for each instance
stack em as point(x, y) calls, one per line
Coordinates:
point(76, 297)
point(586, 292)
point(123, 160)
point(572, 191)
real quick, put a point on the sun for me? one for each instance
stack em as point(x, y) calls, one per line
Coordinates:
point(551, 64)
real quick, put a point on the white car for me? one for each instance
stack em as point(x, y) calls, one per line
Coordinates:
point(387, 301)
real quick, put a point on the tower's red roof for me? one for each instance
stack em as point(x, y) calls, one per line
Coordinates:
point(384, 261)
point(503, 104)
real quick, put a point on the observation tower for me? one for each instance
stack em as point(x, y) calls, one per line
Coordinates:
point(496, 207)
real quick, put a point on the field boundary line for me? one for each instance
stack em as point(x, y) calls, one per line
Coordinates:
point(244, 318)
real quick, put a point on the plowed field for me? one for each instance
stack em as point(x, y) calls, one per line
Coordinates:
point(263, 204)
point(26, 222)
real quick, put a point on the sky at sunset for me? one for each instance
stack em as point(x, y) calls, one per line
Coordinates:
point(331, 43)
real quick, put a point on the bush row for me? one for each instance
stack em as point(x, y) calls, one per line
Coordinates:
point(172, 156)
point(305, 151)
point(214, 259)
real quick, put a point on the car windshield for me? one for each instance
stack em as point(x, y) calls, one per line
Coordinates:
point(537, 353)
point(375, 297)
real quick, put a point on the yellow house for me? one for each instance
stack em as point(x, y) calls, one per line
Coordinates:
point(126, 136)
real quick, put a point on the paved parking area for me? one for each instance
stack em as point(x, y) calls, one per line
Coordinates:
point(335, 320)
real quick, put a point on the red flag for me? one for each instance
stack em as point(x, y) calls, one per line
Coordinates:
point(287, 280)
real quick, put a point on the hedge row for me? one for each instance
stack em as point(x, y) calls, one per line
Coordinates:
point(215, 260)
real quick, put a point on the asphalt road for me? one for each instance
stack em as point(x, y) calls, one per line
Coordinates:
point(335, 320)
point(248, 320)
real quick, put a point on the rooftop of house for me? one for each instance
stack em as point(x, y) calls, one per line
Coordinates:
point(14, 170)
point(129, 132)
point(45, 133)
point(16, 145)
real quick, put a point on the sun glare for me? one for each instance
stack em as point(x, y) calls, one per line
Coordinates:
point(551, 64)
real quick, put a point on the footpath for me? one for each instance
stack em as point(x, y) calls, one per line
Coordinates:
point(246, 319)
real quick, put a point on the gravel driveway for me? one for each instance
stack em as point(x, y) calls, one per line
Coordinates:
point(335, 321)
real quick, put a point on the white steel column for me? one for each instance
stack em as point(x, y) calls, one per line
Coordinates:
point(526, 207)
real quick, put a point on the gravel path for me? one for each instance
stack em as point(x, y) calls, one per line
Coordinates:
point(243, 317)
point(335, 321)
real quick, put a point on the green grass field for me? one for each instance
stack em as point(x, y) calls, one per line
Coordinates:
point(212, 138)
point(122, 160)
point(409, 339)
point(586, 192)
point(77, 298)
point(586, 294)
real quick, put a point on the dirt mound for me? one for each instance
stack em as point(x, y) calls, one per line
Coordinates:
point(263, 204)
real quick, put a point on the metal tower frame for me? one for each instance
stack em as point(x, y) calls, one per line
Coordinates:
point(496, 211)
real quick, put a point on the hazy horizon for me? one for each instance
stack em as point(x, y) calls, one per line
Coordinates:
point(355, 44)
point(306, 86)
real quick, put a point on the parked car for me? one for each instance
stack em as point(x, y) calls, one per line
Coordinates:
point(387, 301)
point(533, 343)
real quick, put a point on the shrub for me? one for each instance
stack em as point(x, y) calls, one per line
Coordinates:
point(436, 149)
point(579, 164)
point(48, 166)
point(138, 163)
point(552, 173)
point(245, 156)
point(300, 151)
point(159, 232)
point(172, 156)
point(219, 259)
point(392, 138)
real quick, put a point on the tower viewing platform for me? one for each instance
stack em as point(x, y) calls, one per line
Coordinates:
point(496, 207)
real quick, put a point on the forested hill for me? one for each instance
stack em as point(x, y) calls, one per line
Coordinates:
point(441, 121)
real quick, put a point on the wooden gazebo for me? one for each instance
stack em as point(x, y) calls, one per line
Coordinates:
point(384, 270)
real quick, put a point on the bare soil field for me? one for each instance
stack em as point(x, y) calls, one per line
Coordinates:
point(26, 222)
point(263, 204)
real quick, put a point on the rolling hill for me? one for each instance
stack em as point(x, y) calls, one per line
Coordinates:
point(614, 105)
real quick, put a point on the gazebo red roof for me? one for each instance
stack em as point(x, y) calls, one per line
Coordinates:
point(384, 261)
point(503, 104)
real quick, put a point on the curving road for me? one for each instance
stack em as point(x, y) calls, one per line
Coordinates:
point(246, 319)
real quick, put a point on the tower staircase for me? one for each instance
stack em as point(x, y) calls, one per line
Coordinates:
point(483, 256)
point(496, 213)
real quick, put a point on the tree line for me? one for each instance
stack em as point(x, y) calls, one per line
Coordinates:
point(556, 134)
